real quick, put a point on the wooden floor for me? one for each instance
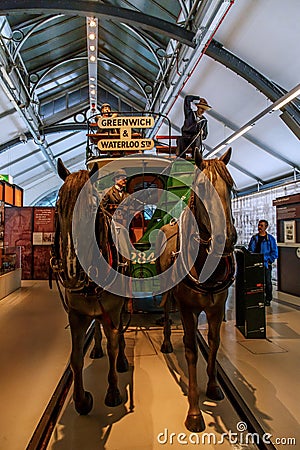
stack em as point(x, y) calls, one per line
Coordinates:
point(34, 350)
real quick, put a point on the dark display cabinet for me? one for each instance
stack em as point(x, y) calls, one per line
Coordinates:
point(10, 270)
point(249, 292)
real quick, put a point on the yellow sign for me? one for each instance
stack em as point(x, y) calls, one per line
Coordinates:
point(126, 122)
point(126, 144)
point(124, 125)
point(125, 133)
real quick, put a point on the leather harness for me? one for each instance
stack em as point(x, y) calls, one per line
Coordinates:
point(85, 285)
point(226, 259)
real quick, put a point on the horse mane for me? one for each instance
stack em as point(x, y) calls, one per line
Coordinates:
point(70, 190)
point(216, 166)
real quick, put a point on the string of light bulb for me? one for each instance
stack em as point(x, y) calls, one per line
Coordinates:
point(92, 50)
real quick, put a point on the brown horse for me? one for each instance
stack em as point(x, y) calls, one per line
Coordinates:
point(84, 299)
point(212, 242)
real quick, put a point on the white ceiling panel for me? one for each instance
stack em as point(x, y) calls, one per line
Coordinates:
point(265, 34)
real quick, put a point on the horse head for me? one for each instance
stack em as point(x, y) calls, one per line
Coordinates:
point(212, 187)
point(72, 274)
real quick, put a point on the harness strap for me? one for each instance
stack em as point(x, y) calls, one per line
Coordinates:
point(62, 297)
point(220, 286)
point(57, 270)
point(125, 328)
point(189, 279)
point(198, 287)
point(105, 315)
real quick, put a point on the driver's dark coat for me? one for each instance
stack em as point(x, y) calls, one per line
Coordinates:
point(113, 198)
point(191, 125)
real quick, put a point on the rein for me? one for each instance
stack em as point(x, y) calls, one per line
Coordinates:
point(56, 262)
point(84, 285)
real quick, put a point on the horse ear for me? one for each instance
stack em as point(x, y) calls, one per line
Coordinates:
point(94, 170)
point(62, 171)
point(198, 158)
point(226, 157)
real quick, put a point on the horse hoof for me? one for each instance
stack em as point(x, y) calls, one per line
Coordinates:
point(122, 365)
point(195, 423)
point(113, 397)
point(215, 393)
point(85, 406)
point(166, 347)
point(96, 353)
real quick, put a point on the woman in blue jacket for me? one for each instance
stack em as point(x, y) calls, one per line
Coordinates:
point(265, 243)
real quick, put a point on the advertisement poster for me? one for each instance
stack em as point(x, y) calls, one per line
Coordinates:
point(42, 238)
point(18, 232)
point(43, 226)
point(289, 231)
point(31, 228)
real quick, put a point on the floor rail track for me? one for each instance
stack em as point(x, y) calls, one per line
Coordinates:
point(235, 398)
point(42, 434)
point(47, 423)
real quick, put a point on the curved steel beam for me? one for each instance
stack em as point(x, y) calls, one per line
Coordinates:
point(87, 8)
point(36, 85)
point(252, 139)
point(76, 127)
point(126, 71)
point(36, 26)
point(147, 43)
point(216, 51)
point(58, 128)
point(239, 168)
point(83, 58)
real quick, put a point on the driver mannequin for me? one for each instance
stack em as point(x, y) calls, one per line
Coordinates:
point(105, 111)
point(113, 133)
point(194, 129)
point(112, 199)
point(116, 194)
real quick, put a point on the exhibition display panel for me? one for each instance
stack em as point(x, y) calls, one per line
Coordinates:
point(288, 237)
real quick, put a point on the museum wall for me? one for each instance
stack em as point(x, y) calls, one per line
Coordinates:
point(249, 209)
point(32, 229)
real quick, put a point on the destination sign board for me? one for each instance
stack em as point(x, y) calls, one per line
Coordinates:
point(126, 122)
point(123, 125)
point(126, 144)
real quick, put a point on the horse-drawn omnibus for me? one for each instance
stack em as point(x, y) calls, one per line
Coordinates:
point(156, 245)
point(153, 170)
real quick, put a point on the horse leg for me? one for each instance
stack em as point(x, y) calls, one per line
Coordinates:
point(97, 351)
point(113, 396)
point(167, 345)
point(79, 324)
point(122, 362)
point(214, 320)
point(194, 421)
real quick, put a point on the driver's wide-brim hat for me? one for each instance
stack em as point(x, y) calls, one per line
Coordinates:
point(105, 104)
point(203, 104)
point(120, 174)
